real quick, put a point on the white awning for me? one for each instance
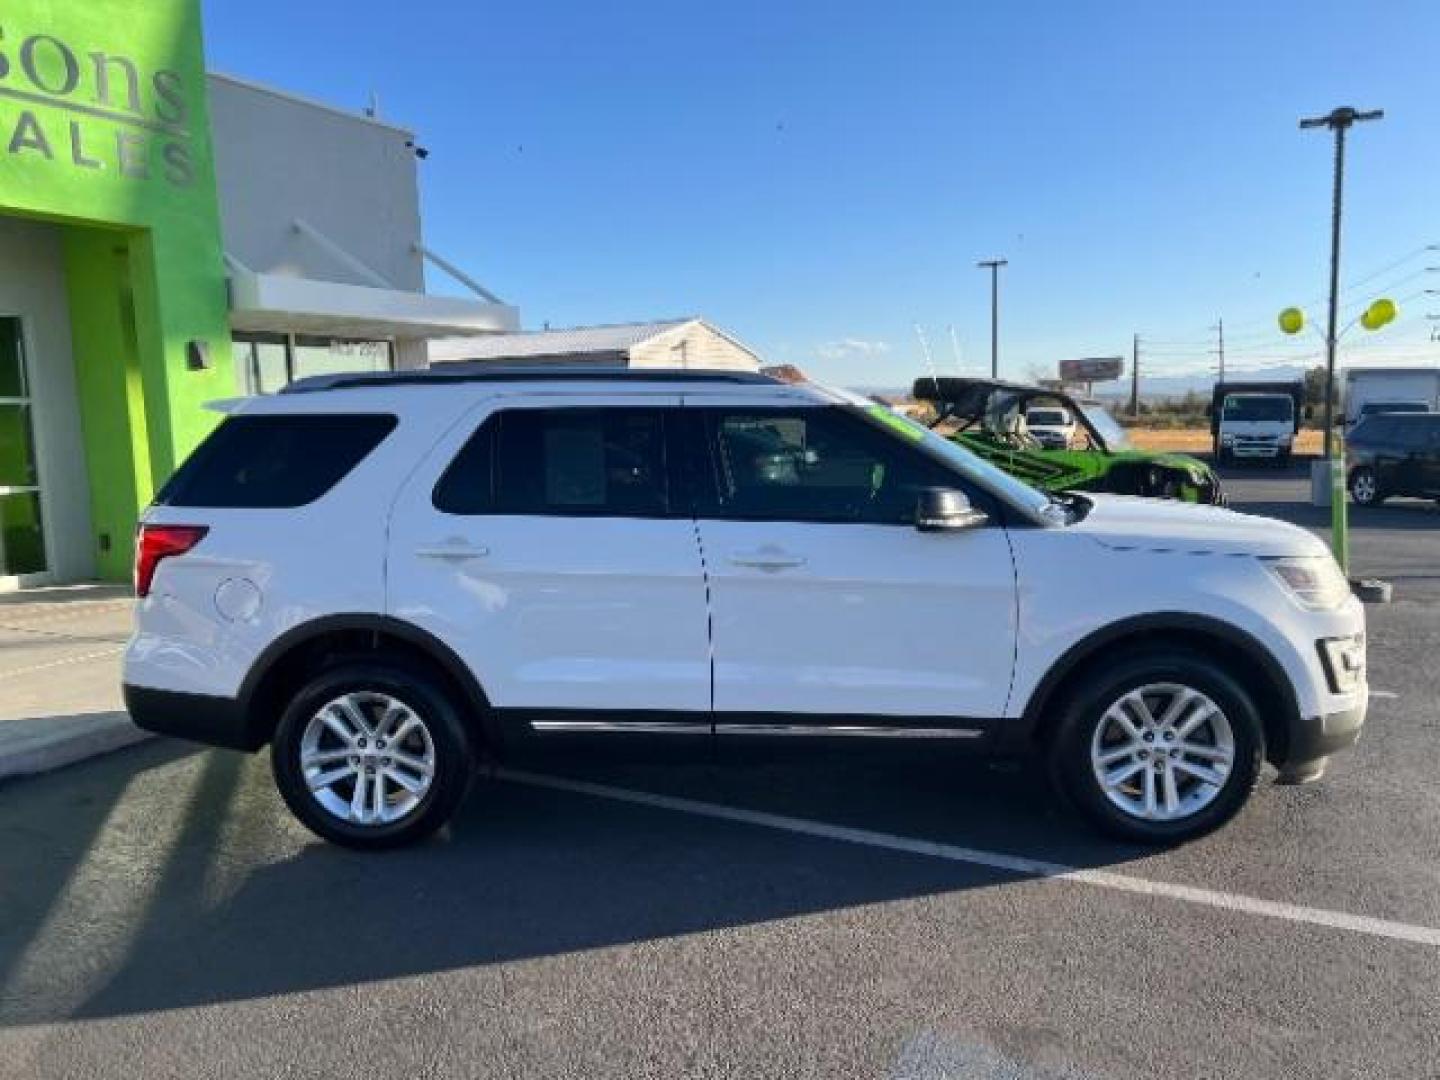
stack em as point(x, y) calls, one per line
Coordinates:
point(285, 304)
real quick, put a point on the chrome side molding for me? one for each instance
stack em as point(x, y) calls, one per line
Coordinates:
point(865, 731)
point(649, 727)
point(683, 727)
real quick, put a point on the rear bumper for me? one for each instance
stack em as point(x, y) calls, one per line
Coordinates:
point(202, 718)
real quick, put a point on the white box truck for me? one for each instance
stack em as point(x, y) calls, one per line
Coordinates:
point(1256, 421)
point(1390, 389)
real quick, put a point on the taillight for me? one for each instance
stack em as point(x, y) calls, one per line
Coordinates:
point(156, 542)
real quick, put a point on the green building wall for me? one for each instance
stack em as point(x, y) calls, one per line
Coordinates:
point(104, 130)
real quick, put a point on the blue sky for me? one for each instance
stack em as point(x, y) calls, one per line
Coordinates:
point(820, 178)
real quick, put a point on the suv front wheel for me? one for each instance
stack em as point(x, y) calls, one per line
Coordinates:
point(1159, 747)
point(371, 756)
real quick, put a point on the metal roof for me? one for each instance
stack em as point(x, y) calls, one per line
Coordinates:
point(571, 341)
point(489, 372)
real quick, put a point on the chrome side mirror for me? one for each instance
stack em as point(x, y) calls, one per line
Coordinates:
point(945, 509)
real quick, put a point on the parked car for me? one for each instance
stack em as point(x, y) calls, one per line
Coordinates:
point(1394, 454)
point(987, 417)
point(386, 578)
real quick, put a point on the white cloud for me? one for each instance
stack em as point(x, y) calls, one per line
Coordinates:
point(849, 348)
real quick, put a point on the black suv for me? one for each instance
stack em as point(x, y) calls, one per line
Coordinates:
point(1394, 454)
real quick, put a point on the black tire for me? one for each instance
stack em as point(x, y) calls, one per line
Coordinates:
point(1365, 487)
point(1071, 744)
point(453, 767)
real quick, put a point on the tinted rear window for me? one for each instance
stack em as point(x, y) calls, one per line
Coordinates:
point(274, 461)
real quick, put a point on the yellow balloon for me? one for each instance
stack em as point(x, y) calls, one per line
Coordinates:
point(1292, 320)
point(1378, 314)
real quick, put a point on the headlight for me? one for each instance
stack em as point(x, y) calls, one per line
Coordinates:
point(1315, 581)
point(1226, 440)
point(1344, 659)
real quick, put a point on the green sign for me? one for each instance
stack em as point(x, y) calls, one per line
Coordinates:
point(104, 129)
point(95, 109)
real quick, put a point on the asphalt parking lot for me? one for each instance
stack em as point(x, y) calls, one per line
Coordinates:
point(161, 915)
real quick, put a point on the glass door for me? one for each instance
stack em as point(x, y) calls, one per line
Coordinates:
point(22, 535)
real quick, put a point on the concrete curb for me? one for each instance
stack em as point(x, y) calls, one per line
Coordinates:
point(52, 742)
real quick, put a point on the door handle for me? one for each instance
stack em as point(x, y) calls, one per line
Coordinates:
point(457, 551)
point(767, 558)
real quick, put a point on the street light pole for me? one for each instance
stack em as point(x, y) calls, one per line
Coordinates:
point(1339, 121)
point(993, 265)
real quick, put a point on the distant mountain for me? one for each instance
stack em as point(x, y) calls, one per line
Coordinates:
point(1172, 386)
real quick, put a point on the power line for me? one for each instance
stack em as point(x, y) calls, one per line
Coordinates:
point(1190, 336)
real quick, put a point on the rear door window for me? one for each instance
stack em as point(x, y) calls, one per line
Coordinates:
point(580, 462)
point(274, 461)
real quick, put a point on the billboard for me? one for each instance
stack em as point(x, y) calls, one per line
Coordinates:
point(1092, 369)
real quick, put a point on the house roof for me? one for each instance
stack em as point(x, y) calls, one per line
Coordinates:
point(572, 341)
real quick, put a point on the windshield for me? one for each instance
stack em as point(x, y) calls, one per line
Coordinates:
point(1259, 407)
point(1113, 434)
point(1046, 418)
point(1020, 495)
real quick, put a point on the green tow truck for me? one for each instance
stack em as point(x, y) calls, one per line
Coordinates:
point(987, 417)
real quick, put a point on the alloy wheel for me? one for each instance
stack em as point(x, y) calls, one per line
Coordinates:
point(1162, 752)
point(367, 758)
point(1362, 487)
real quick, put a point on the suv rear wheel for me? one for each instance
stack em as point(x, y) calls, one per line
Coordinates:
point(371, 757)
point(1159, 747)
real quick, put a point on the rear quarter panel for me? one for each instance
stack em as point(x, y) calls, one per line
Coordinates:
point(261, 572)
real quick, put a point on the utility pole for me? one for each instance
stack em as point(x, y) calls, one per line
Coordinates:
point(1339, 121)
point(1220, 341)
point(1135, 377)
point(993, 265)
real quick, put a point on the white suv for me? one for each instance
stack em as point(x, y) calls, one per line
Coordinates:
point(387, 578)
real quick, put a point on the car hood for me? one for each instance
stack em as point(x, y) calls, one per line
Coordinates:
point(1130, 523)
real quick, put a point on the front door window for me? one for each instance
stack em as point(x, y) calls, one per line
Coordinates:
point(22, 537)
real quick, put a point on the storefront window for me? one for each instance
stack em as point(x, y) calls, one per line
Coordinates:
point(22, 537)
point(339, 356)
point(262, 362)
point(12, 361)
point(268, 362)
point(17, 452)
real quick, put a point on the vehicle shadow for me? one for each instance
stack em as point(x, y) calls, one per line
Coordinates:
point(240, 903)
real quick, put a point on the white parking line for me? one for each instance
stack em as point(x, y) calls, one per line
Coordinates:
point(1384, 694)
point(63, 661)
point(994, 860)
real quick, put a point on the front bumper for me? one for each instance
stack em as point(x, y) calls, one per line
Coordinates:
point(1312, 739)
point(1241, 449)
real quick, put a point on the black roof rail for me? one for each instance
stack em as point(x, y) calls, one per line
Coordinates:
point(482, 372)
